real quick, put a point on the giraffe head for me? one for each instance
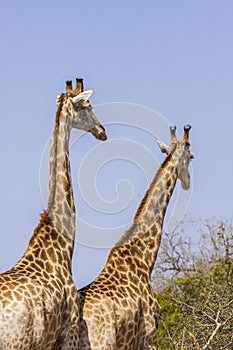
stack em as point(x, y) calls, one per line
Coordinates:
point(179, 151)
point(75, 105)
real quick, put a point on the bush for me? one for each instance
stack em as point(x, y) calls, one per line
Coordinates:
point(197, 301)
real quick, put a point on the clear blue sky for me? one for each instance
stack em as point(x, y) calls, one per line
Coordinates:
point(175, 57)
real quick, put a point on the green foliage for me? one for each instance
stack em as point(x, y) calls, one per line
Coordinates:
point(194, 286)
point(198, 304)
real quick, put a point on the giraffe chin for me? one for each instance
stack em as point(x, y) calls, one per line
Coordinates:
point(102, 137)
point(185, 185)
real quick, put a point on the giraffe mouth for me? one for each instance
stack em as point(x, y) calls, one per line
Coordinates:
point(99, 133)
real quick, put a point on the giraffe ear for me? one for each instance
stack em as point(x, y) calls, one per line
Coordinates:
point(164, 148)
point(83, 96)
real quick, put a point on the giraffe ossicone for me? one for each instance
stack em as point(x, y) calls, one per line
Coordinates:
point(118, 309)
point(39, 303)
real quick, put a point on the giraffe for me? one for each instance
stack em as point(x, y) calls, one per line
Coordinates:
point(38, 298)
point(118, 310)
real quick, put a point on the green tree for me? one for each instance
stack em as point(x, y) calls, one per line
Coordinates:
point(195, 288)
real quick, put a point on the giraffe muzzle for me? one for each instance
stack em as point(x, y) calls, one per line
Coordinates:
point(99, 133)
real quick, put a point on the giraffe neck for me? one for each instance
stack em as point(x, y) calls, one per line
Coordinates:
point(141, 241)
point(61, 209)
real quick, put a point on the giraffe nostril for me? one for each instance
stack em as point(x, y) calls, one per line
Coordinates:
point(99, 133)
point(103, 135)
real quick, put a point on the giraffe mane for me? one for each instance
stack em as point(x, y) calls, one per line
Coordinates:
point(44, 220)
point(61, 101)
point(143, 201)
point(142, 204)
